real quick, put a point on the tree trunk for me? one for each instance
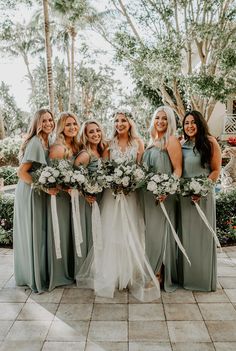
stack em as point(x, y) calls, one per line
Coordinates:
point(72, 71)
point(2, 128)
point(48, 55)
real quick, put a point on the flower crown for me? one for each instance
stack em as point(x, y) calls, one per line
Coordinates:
point(124, 112)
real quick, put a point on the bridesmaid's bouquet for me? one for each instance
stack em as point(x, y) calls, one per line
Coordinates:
point(123, 176)
point(45, 177)
point(163, 184)
point(95, 180)
point(196, 186)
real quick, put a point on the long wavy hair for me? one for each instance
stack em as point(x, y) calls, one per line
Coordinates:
point(35, 129)
point(133, 135)
point(171, 127)
point(202, 142)
point(60, 136)
point(84, 143)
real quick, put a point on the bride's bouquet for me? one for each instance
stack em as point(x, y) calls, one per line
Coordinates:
point(163, 184)
point(123, 176)
point(196, 186)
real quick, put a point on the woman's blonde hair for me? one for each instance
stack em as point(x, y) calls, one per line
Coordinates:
point(35, 129)
point(171, 127)
point(133, 135)
point(84, 143)
point(60, 137)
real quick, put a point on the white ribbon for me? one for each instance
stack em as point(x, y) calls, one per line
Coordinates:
point(55, 225)
point(76, 221)
point(174, 233)
point(96, 226)
point(203, 217)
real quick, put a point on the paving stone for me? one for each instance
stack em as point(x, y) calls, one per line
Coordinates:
point(215, 296)
point(74, 312)
point(36, 311)
point(225, 346)
point(29, 330)
point(188, 331)
point(108, 331)
point(148, 346)
point(231, 293)
point(106, 345)
point(178, 296)
point(9, 345)
point(110, 312)
point(53, 296)
point(197, 346)
point(146, 312)
point(119, 297)
point(222, 330)
point(227, 282)
point(182, 312)
point(77, 296)
point(132, 299)
point(4, 328)
point(14, 295)
point(218, 311)
point(151, 331)
point(9, 311)
point(63, 346)
point(68, 331)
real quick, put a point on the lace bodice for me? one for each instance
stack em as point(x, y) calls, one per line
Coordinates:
point(130, 152)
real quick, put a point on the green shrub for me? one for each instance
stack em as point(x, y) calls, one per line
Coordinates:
point(6, 218)
point(9, 175)
point(9, 150)
point(226, 217)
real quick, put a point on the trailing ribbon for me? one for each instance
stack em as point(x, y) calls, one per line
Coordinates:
point(96, 226)
point(203, 217)
point(55, 225)
point(76, 221)
point(178, 242)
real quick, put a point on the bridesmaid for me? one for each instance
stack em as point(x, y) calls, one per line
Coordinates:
point(201, 156)
point(66, 146)
point(93, 144)
point(164, 156)
point(30, 217)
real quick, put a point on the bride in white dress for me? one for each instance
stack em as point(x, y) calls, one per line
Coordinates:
point(121, 261)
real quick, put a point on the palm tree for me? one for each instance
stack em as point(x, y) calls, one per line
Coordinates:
point(76, 14)
point(48, 55)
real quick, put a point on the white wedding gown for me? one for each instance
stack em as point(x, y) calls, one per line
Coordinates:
point(119, 261)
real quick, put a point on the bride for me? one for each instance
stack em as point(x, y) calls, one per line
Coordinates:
point(121, 261)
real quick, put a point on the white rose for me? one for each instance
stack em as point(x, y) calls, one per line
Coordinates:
point(165, 176)
point(51, 179)
point(138, 174)
point(125, 181)
point(118, 173)
point(151, 186)
point(42, 180)
point(55, 173)
point(46, 174)
point(109, 179)
point(67, 179)
point(156, 178)
point(195, 186)
point(119, 161)
point(80, 178)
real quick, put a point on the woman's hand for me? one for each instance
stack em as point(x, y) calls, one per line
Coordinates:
point(51, 191)
point(195, 198)
point(162, 198)
point(90, 199)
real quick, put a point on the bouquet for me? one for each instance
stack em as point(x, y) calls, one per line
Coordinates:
point(45, 177)
point(163, 184)
point(196, 186)
point(95, 180)
point(124, 176)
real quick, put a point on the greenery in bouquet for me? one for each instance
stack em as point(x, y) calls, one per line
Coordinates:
point(95, 180)
point(162, 184)
point(196, 186)
point(123, 176)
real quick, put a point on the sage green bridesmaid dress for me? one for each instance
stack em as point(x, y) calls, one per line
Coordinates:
point(196, 237)
point(61, 270)
point(30, 225)
point(86, 222)
point(159, 242)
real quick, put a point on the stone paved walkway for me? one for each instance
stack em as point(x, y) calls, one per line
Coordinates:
point(72, 319)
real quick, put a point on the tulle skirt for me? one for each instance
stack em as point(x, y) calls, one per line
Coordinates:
point(120, 261)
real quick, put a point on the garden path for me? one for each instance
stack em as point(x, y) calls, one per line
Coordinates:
point(72, 319)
